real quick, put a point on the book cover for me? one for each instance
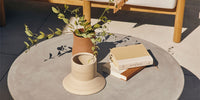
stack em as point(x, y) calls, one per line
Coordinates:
point(130, 56)
point(124, 74)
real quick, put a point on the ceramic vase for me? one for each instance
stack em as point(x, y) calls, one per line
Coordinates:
point(81, 44)
point(84, 78)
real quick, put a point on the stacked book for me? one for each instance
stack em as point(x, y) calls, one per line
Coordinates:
point(127, 61)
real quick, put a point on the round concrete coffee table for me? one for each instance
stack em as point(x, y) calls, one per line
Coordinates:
point(38, 74)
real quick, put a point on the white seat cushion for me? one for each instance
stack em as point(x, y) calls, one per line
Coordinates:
point(167, 4)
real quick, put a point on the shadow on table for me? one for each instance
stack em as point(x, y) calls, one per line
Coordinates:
point(155, 61)
point(191, 90)
point(104, 50)
point(104, 47)
point(61, 50)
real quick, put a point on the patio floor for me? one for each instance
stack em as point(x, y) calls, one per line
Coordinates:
point(155, 28)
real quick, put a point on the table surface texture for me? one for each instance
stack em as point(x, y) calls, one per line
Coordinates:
point(38, 74)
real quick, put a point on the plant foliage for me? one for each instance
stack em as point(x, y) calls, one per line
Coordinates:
point(34, 38)
point(88, 30)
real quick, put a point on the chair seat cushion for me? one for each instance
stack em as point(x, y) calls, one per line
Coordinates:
point(166, 4)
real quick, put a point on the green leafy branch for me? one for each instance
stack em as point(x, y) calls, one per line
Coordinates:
point(34, 38)
point(88, 31)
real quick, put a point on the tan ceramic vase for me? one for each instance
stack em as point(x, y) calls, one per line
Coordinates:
point(84, 78)
point(81, 44)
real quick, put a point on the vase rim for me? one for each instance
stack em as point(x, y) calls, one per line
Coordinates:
point(84, 53)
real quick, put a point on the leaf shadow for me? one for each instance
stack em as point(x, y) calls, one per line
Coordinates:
point(63, 49)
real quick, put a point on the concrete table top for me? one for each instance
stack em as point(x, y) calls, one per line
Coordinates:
point(38, 74)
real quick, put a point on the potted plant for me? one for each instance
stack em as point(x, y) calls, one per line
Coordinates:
point(84, 50)
point(85, 38)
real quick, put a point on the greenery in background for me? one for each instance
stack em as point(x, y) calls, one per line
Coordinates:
point(88, 29)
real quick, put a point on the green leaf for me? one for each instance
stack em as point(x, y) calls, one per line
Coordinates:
point(66, 7)
point(58, 29)
point(27, 45)
point(76, 23)
point(93, 40)
point(106, 9)
point(98, 39)
point(95, 53)
point(108, 21)
point(35, 41)
point(27, 31)
point(75, 11)
point(104, 26)
point(97, 26)
point(110, 34)
point(86, 23)
point(93, 48)
point(55, 10)
point(66, 20)
point(81, 19)
point(104, 19)
point(58, 32)
point(89, 28)
point(51, 30)
point(103, 33)
point(41, 36)
point(76, 15)
point(50, 36)
point(31, 40)
point(90, 35)
point(97, 47)
point(84, 35)
point(61, 16)
point(77, 32)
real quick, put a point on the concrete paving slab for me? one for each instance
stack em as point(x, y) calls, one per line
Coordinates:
point(188, 52)
point(5, 63)
point(19, 13)
point(4, 92)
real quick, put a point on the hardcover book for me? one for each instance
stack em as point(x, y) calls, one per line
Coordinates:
point(130, 56)
point(124, 74)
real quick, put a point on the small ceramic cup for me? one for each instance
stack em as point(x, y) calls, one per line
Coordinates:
point(84, 78)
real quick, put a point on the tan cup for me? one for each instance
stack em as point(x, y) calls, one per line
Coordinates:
point(84, 78)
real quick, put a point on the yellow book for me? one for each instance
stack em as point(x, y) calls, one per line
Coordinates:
point(130, 56)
